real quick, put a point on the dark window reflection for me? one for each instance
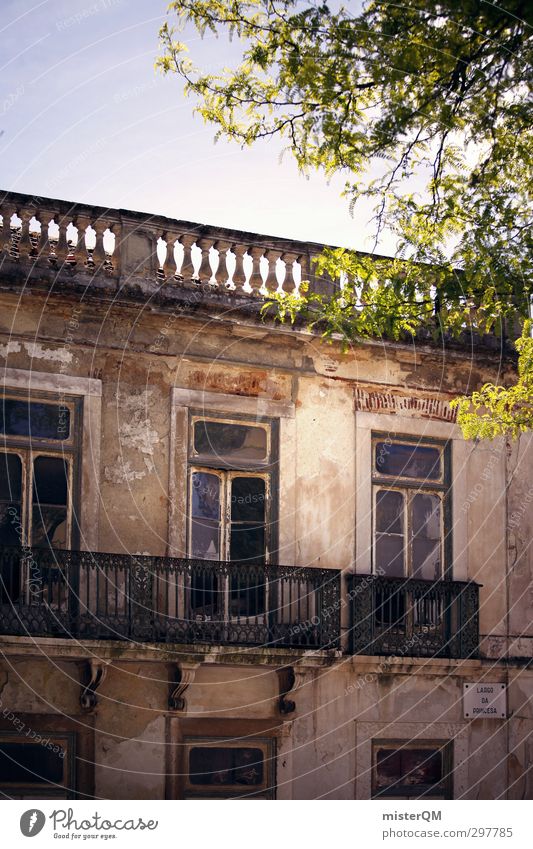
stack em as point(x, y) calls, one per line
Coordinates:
point(11, 534)
point(247, 545)
point(205, 524)
point(426, 530)
point(408, 461)
point(216, 765)
point(403, 771)
point(50, 496)
point(389, 551)
point(247, 519)
point(31, 763)
point(42, 421)
point(10, 499)
point(230, 442)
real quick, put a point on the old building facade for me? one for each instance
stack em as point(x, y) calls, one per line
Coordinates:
point(236, 560)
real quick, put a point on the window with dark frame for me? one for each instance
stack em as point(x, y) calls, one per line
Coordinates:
point(39, 765)
point(38, 474)
point(230, 480)
point(410, 491)
point(412, 770)
point(229, 769)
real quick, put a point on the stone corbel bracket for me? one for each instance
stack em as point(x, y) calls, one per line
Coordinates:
point(290, 679)
point(97, 671)
point(183, 678)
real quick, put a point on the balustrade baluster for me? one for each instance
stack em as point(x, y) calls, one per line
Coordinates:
point(205, 271)
point(98, 253)
point(187, 268)
point(239, 276)
point(169, 264)
point(256, 281)
point(7, 212)
point(61, 247)
point(25, 245)
point(272, 280)
point(221, 274)
point(289, 284)
point(5, 236)
point(80, 251)
point(44, 248)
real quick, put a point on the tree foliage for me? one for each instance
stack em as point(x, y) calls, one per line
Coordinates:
point(497, 410)
point(425, 107)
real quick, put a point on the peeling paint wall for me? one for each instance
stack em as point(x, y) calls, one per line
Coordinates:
point(341, 707)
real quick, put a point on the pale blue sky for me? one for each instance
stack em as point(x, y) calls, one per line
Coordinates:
point(85, 117)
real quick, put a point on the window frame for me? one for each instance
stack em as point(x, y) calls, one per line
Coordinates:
point(444, 746)
point(226, 476)
point(29, 448)
point(44, 789)
point(201, 459)
point(409, 487)
point(266, 470)
point(71, 402)
point(267, 789)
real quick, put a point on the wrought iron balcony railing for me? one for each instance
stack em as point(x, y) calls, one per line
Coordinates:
point(92, 595)
point(413, 618)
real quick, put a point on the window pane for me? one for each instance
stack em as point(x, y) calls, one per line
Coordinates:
point(247, 543)
point(248, 500)
point(389, 555)
point(389, 511)
point(205, 524)
point(205, 496)
point(205, 543)
point(426, 529)
point(49, 527)
point(421, 766)
point(50, 495)
point(389, 550)
point(402, 769)
point(225, 766)
point(10, 524)
point(50, 480)
point(230, 442)
point(409, 461)
point(30, 763)
point(10, 477)
point(43, 421)
point(10, 497)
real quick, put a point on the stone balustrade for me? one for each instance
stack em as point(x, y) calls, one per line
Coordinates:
point(74, 243)
point(76, 239)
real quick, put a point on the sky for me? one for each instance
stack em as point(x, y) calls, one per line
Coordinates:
point(84, 116)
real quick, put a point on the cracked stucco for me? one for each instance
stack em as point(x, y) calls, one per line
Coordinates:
point(135, 433)
point(53, 355)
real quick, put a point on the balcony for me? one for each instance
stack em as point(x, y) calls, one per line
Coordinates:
point(92, 595)
point(413, 618)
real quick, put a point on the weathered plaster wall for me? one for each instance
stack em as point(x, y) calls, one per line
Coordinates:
point(325, 746)
point(140, 358)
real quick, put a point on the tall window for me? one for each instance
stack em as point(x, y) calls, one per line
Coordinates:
point(230, 504)
point(410, 507)
point(38, 452)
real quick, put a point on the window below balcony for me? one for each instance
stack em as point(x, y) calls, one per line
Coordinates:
point(224, 769)
point(36, 765)
point(407, 770)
